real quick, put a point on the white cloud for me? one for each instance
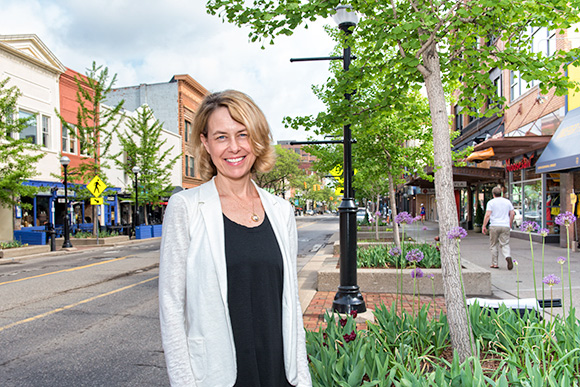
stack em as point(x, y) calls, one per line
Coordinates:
point(149, 41)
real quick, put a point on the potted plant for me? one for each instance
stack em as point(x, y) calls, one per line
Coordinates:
point(478, 220)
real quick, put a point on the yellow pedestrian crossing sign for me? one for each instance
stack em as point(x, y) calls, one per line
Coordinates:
point(96, 186)
point(97, 201)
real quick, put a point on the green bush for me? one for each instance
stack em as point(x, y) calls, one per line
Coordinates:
point(378, 256)
point(11, 244)
point(102, 234)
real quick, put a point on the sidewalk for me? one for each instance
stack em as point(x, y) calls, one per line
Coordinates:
point(475, 249)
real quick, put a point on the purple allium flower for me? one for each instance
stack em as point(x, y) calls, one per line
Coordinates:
point(371, 219)
point(403, 217)
point(417, 273)
point(415, 255)
point(378, 213)
point(561, 260)
point(544, 232)
point(417, 218)
point(529, 226)
point(551, 280)
point(425, 228)
point(565, 219)
point(515, 262)
point(431, 276)
point(395, 252)
point(457, 233)
point(349, 337)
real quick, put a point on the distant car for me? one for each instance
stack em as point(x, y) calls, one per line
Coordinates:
point(361, 215)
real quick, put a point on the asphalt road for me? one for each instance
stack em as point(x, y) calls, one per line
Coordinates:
point(90, 318)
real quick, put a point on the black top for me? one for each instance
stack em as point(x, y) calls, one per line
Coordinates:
point(255, 284)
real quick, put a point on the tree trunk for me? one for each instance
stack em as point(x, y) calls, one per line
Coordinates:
point(459, 327)
point(377, 217)
point(393, 211)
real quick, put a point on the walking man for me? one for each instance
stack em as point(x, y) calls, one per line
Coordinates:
point(500, 215)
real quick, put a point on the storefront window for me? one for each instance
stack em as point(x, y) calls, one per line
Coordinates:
point(528, 193)
point(532, 201)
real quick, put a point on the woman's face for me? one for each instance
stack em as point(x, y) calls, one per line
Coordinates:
point(228, 145)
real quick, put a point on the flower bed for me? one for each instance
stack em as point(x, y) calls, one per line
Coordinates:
point(414, 349)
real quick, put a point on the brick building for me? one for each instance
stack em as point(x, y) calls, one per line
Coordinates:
point(174, 104)
point(514, 144)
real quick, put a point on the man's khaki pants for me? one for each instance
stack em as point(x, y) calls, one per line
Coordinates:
point(499, 239)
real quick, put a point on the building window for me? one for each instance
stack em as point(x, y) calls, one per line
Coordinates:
point(30, 131)
point(542, 40)
point(496, 79)
point(64, 147)
point(187, 130)
point(45, 131)
point(73, 144)
point(458, 118)
point(191, 167)
point(518, 85)
point(69, 143)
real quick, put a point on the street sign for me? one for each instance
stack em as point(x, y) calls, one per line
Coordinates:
point(336, 171)
point(97, 201)
point(96, 186)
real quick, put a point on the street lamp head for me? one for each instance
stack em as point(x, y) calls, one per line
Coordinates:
point(64, 161)
point(136, 169)
point(345, 17)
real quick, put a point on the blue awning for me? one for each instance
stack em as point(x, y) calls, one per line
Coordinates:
point(563, 150)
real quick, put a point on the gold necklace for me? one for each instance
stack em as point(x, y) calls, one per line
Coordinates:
point(254, 217)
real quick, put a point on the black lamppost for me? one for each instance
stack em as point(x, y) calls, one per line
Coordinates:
point(65, 161)
point(348, 297)
point(136, 171)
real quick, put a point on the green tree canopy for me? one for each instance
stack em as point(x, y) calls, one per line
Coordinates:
point(141, 145)
point(284, 174)
point(19, 156)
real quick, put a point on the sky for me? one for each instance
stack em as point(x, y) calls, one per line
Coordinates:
point(149, 41)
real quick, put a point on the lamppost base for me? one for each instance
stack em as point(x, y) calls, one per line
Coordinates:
point(347, 299)
point(67, 245)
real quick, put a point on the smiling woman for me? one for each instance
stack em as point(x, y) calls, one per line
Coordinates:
point(228, 254)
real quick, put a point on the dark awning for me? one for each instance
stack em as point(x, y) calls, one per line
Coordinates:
point(509, 147)
point(471, 175)
point(563, 151)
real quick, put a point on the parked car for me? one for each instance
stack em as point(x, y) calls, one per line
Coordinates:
point(361, 214)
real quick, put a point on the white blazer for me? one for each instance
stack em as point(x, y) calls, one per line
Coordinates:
point(193, 302)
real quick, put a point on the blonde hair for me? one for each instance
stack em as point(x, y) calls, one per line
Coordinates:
point(244, 111)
